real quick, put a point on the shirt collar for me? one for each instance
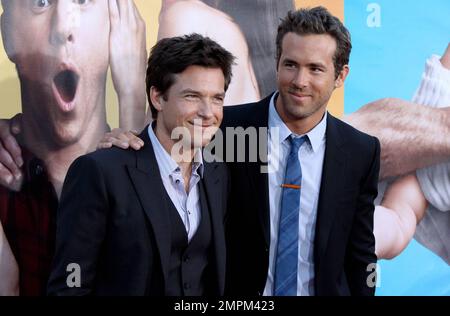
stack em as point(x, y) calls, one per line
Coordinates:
point(33, 166)
point(197, 164)
point(315, 136)
point(167, 165)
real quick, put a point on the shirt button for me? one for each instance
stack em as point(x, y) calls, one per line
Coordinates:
point(186, 285)
point(39, 170)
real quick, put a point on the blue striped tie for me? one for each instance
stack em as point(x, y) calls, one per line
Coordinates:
point(285, 282)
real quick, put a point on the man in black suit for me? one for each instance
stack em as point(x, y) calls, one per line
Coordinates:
point(150, 222)
point(331, 251)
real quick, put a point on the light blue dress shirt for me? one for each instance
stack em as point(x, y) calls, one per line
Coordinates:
point(311, 156)
point(186, 203)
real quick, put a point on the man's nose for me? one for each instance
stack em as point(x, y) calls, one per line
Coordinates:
point(66, 17)
point(206, 109)
point(301, 78)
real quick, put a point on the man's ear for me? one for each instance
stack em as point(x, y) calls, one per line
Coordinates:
point(5, 26)
point(157, 98)
point(339, 82)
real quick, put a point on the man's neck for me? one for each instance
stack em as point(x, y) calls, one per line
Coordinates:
point(300, 126)
point(186, 153)
point(57, 158)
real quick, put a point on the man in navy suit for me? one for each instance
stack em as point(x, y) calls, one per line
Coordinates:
point(150, 222)
point(306, 226)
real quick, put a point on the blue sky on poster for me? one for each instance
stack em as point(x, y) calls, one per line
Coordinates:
point(387, 61)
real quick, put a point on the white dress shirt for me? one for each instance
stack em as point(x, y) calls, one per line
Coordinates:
point(187, 204)
point(311, 155)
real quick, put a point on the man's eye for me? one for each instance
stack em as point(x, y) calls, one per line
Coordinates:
point(81, 2)
point(289, 65)
point(42, 3)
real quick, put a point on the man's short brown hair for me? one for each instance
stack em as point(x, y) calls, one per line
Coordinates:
point(171, 56)
point(317, 20)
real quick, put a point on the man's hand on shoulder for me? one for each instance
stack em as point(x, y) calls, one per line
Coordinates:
point(11, 161)
point(122, 139)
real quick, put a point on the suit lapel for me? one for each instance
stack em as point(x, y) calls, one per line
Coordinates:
point(260, 180)
point(260, 188)
point(214, 199)
point(147, 182)
point(332, 175)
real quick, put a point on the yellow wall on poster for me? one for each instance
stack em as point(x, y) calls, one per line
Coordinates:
point(9, 83)
point(336, 7)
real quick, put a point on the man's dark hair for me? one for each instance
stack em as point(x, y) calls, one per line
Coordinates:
point(317, 20)
point(171, 56)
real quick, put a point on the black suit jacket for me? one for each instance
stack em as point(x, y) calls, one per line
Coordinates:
point(113, 222)
point(344, 243)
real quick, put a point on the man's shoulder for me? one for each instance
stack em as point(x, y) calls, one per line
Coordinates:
point(110, 154)
point(357, 145)
point(237, 115)
point(107, 159)
point(245, 114)
point(352, 136)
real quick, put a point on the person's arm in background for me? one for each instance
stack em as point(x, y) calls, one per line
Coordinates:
point(411, 134)
point(9, 271)
point(128, 58)
point(396, 219)
point(406, 199)
point(11, 161)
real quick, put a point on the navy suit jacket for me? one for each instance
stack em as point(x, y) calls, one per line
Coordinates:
point(344, 245)
point(113, 221)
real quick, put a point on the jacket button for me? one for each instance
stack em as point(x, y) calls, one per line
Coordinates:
point(186, 259)
point(186, 285)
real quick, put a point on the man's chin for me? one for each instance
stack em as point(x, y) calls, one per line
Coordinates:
point(299, 111)
point(202, 142)
point(66, 135)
